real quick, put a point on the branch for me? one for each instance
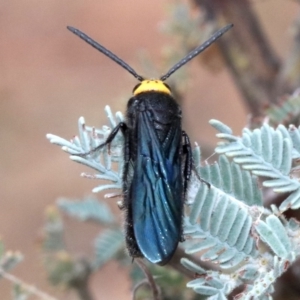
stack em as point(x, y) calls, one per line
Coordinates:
point(246, 50)
point(80, 280)
point(30, 288)
point(153, 286)
point(289, 78)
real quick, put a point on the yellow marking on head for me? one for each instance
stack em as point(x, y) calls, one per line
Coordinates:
point(151, 85)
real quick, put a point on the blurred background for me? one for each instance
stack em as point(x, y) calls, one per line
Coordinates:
point(49, 78)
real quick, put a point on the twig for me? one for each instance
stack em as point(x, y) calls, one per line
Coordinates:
point(30, 288)
point(84, 293)
point(137, 286)
point(246, 50)
point(289, 77)
point(81, 276)
point(153, 286)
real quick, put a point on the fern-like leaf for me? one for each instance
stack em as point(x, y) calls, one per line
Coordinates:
point(107, 245)
point(286, 112)
point(267, 153)
point(225, 221)
point(263, 286)
point(211, 284)
point(220, 226)
point(274, 234)
point(89, 209)
point(81, 149)
point(230, 178)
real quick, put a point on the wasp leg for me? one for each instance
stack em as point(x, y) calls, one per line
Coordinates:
point(188, 163)
point(131, 243)
point(187, 168)
point(121, 126)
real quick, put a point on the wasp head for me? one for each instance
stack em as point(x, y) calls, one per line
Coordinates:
point(151, 85)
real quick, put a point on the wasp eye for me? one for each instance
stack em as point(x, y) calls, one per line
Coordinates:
point(136, 87)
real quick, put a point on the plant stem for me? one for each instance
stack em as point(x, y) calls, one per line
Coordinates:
point(29, 288)
point(153, 286)
point(246, 50)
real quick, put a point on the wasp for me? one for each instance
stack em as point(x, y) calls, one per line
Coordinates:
point(157, 160)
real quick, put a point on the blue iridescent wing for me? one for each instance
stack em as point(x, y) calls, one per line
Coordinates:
point(156, 191)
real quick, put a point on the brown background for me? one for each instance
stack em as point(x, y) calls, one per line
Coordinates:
point(49, 78)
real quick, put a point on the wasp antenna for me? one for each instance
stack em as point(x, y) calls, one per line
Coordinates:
point(196, 51)
point(105, 51)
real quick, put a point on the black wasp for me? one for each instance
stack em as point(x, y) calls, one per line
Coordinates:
point(157, 161)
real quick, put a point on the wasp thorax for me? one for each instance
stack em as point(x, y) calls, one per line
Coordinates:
point(151, 85)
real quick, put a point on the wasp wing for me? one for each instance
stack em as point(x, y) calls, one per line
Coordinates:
point(156, 191)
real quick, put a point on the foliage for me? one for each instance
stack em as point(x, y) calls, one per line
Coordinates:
point(63, 267)
point(20, 289)
point(225, 221)
point(286, 112)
